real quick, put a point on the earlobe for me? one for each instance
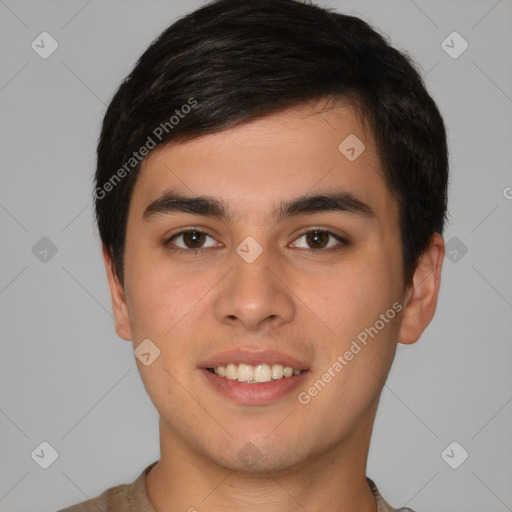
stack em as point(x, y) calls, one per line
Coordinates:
point(422, 294)
point(118, 297)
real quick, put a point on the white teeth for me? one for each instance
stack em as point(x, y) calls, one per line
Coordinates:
point(262, 373)
point(288, 371)
point(245, 372)
point(231, 371)
point(253, 374)
point(277, 371)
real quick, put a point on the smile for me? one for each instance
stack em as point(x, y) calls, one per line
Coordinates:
point(254, 374)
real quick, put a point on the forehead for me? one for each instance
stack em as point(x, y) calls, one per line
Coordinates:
point(255, 166)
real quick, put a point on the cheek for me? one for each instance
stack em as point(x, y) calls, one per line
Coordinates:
point(360, 305)
point(159, 296)
point(363, 315)
point(349, 299)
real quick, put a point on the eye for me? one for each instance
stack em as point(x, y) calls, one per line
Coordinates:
point(191, 239)
point(319, 239)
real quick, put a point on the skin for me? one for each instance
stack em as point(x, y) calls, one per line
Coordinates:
point(311, 305)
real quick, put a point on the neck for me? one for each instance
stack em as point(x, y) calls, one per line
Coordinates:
point(185, 480)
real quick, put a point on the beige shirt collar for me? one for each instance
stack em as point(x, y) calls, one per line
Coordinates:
point(141, 500)
point(134, 498)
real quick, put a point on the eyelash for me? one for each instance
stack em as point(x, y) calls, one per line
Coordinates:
point(343, 242)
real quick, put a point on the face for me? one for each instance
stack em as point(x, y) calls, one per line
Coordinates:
point(255, 253)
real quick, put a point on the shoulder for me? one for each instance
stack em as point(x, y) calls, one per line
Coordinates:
point(382, 504)
point(113, 499)
point(121, 498)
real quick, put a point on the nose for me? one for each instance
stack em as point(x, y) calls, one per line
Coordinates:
point(255, 295)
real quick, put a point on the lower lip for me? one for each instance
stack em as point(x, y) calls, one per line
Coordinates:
point(254, 394)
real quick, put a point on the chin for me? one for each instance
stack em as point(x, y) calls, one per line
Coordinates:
point(261, 461)
point(261, 454)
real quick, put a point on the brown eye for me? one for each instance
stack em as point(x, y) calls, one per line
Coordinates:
point(317, 239)
point(193, 239)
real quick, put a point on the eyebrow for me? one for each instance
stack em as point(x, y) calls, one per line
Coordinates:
point(172, 202)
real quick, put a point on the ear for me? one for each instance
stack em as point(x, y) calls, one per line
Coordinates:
point(421, 296)
point(117, 294)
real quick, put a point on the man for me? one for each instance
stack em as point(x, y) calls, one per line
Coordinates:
point(270, 194)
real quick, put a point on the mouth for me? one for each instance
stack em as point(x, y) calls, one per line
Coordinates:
point(250, 374)
point(253, 378)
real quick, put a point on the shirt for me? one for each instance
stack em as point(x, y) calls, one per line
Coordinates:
point(133, 498)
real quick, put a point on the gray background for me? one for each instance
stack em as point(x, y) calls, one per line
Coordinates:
point(68, 380)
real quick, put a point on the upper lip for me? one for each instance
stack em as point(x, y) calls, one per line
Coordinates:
point(253, 358)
